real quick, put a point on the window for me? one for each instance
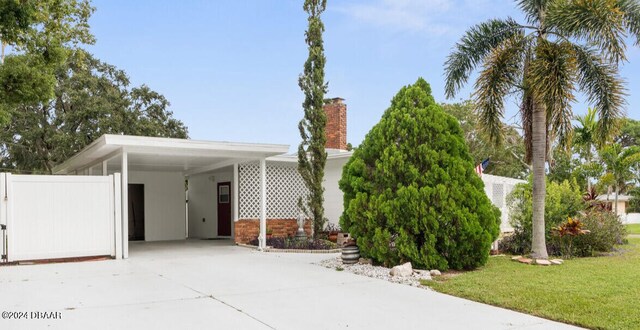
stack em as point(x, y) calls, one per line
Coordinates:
point(223, 194)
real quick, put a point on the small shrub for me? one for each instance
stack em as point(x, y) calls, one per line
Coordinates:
point(591, 200)
point(605, 229)
point(514, 243)
point(566, 233)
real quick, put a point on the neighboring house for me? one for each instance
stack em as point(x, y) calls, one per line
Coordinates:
point(234, 190)
point(623, 202)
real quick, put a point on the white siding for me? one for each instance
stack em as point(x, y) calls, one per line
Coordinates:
point(333, 201)
point(164, 204)
point(203, 198)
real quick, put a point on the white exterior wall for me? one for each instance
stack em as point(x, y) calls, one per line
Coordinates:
point(622, 209)
point(164, 204)
point(333, 196)
point(203, 197)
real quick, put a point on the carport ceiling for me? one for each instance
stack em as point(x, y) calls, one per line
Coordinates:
point(178, 163)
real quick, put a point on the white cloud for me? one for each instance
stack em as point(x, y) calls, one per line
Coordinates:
point(408, 15)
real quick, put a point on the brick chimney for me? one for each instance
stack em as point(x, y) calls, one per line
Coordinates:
point(336, 128)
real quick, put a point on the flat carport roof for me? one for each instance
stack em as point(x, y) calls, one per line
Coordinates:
point(167, 154)
point(123, 153)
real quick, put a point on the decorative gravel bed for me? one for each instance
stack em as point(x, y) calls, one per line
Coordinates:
point(378, 272)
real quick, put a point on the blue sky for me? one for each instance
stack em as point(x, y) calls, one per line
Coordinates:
point(230, 67)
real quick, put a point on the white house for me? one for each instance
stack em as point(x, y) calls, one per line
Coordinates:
point(234, 190)
point(623, 201)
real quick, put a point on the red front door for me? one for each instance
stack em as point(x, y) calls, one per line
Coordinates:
point(224, 209)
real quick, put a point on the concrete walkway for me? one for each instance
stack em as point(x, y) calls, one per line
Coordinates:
point(213, 285)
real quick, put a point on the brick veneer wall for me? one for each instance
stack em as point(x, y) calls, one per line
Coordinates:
point(248, 229)
point(336, 128)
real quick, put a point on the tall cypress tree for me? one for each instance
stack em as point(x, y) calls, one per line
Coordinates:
point(312, 156)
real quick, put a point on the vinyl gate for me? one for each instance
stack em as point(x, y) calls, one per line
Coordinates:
point(51, 217)
point(497, 189)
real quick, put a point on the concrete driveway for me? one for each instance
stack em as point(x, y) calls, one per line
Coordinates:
point(213, 285)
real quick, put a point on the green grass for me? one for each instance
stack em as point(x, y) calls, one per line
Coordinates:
point(600, 293)
point(634, 228)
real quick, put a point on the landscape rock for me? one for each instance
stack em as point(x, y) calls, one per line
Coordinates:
point(422, 274)
point(516, 258)
point(555, 262)
point(525, 261)
point(402, 270)
point(435, 272)
point(377, 272)
point(543, 262)
point(365, 261)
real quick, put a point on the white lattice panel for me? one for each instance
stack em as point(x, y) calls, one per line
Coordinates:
point(498, 195)
point(249, 190)
point(284, 188)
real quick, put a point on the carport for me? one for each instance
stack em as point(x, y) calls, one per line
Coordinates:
point(155, 172)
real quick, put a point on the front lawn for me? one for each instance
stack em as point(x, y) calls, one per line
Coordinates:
point(634, 228)
point(597, 292)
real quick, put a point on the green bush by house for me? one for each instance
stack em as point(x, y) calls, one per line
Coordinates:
point(564, 200)
point(411, 192)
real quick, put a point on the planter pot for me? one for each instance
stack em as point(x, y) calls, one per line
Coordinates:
point(333, 237)
point(350, 254)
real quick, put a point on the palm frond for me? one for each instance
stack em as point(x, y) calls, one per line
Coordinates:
point(604, 88)
point(533, 9)
point(631, 17)
point(597, 22)
point(474, 46)
point(553, 72)
point(586, 131)
point(502, 70)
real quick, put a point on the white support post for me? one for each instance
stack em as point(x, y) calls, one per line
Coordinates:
point(186, 209)
point(104, 168)
point(235, 199)
point(125, 205)
point(90, 170)
point(117, 208)
point(262, 240)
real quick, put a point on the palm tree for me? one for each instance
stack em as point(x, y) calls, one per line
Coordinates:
point(620, 164)
point(564, 46)
point(586, 138)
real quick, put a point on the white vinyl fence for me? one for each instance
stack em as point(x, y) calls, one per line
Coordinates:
point(497, 189)
point(632, 218)
point(50, 217)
